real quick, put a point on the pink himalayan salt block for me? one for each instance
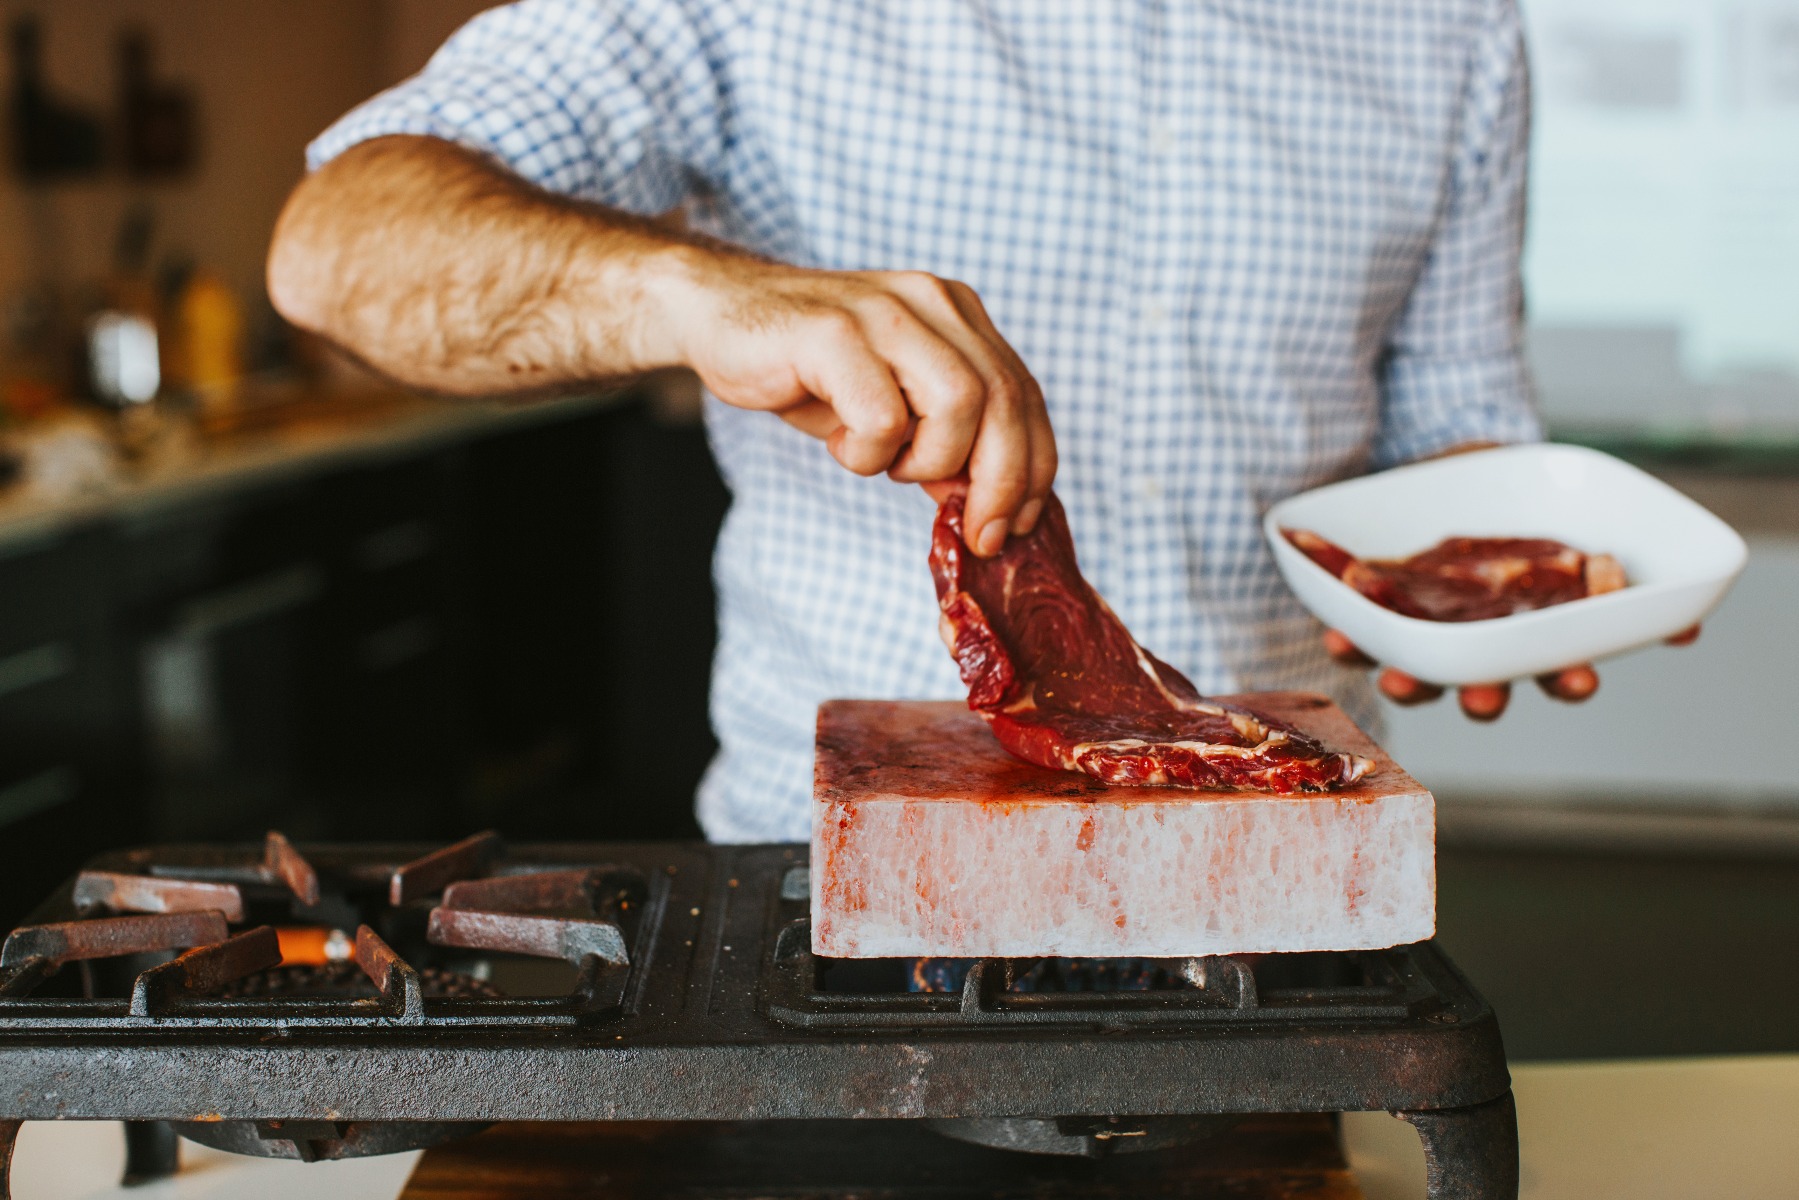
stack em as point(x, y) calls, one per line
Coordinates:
point(929, 839)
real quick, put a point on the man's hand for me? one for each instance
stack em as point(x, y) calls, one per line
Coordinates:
point(1480, 701)
point(447, 272)
point(900, 372)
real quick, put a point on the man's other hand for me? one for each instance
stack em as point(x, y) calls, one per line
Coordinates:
point(1480, 701)
point(897, 371)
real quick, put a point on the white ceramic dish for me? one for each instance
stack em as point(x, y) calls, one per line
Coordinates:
point(1680, 558)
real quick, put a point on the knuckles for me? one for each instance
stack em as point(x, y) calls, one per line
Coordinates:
point(834, 324)
point(925, 286)
point(1006, 394)
point(883, 308)
point(887, 427)
point(964, 393)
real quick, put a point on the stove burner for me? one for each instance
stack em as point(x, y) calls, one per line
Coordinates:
point(1064, 974)
point(675, 982)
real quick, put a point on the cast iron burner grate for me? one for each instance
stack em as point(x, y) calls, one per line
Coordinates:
point(478, 983)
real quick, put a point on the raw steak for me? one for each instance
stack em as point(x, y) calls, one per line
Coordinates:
point(1469, 579)
point(1062, 684)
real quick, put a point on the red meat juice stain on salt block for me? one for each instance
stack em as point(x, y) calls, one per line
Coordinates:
point(840, 894)
point(925, 890)
point(1084, 840)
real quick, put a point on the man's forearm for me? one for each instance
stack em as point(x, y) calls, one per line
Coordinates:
point(446, 272)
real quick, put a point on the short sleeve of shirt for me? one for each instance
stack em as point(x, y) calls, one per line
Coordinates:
point(1456, 372)
point(623, 102)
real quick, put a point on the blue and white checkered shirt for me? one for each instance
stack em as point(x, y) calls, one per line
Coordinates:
point(1247, 246)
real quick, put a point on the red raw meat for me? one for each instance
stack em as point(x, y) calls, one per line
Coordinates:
point(1062, 684)
point(1469, 579)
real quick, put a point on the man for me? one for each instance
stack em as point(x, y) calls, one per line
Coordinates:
point(1246, 247)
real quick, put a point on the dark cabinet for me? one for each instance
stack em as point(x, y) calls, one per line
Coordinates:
point(63, 719)
point(384, 724)
point(589, 576)
point(215, 603)
point(508, 630)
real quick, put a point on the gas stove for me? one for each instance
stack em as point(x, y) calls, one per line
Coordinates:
point(325, 1002)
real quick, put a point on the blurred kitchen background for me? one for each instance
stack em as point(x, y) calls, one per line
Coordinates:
point(244, 585)
point(284, 593)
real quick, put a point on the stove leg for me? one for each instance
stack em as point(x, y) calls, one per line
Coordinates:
point(1469, 1153)
point(9, 1134)
point(152, 1152)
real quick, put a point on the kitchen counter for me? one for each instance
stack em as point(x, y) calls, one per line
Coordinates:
point(1752, 485)
point(1661, 1129)
point(183, 461)
point(82, 1160)
point(305, 432)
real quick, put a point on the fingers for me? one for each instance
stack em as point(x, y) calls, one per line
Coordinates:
point(897, 371)
point(860, 388)
point(1044, 464)
point(998, 474)
point(1479, 701)
point(1344, 651)
point(1044, 458)
point(1685, 637)
point(1401, 688)
point(814, 418)
point(968, 420)
point(1572, 684)
point(1012, 461)
point(1484, 701)
point(945, 388)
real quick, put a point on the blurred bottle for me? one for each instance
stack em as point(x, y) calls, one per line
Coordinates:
point(204, 338)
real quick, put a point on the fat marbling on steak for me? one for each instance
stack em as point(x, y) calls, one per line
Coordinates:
point(1062, 683)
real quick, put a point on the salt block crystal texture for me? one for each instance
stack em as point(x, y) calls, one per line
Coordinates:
point(929, 839)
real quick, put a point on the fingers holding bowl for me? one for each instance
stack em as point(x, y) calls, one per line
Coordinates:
point(1344, 651)
point(1478, 701)
point(1405, 689)
point(1571, 684)
point(1484, 701)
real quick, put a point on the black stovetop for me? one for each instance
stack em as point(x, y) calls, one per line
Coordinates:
point(427, 992)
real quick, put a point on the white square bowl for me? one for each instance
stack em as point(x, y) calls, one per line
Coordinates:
point(1679, 558)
